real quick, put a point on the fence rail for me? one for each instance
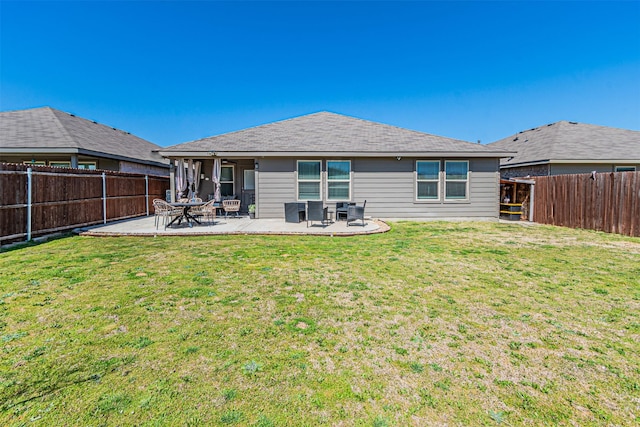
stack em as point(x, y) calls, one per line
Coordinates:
point(37, 200)
point(607, 202)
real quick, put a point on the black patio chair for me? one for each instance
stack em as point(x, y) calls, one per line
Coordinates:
point(317, 212)
point(342, 208)
point(356, 213)
point(294, 212)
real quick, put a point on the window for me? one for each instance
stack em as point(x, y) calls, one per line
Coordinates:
point(87, 165)
point(625, 168)
point(456, 179)
point(249, 179)
point(428, 180)
point(57, 164)
point(227, 187)
point(309, 180)
point(36, 162)
point(338, 180)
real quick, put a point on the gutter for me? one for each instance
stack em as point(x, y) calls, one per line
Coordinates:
point(412, 154)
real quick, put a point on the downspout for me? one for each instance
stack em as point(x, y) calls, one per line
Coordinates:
point(256, 166)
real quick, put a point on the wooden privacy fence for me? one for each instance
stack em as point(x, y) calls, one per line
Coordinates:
point(37, 200)
point(607, 202)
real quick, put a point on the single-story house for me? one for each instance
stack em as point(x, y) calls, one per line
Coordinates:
point(325, 156)
point(568, 148)
point(45, 136)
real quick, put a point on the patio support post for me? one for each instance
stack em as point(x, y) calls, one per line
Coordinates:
point(104, 198)
point(146, 192)
point(531, 190)
point(172, 180)
point(29, 191)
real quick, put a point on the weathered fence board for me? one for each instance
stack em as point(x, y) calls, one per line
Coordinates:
point(604, 201)
point(64, 198)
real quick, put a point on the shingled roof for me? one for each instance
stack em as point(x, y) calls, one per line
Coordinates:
point(47, 130)
point(326, 133)
point(570, 141)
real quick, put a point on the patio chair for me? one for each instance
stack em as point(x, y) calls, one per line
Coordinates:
point(342, 209)
point(356, 213)
point(294, 212)
point(164, 210)
point(188, 200)
point(231, 206)
point(207, 211)
point(317, 212)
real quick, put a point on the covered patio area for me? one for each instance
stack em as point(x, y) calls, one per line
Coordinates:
point(145, 226)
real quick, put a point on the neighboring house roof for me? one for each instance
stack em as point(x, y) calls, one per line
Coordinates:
point(571, 142)
point(327, 133)
point(46, 130)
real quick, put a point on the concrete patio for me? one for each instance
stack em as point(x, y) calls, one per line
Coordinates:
point(145, 227)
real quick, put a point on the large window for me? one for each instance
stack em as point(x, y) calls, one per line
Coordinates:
point(338, 180)
point(309, 180)
point(226, 181)
point(456, 179)
point(625, 168)
point(428, 180)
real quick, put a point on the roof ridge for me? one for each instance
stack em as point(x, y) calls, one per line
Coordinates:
point(61, 126)
point(554, 136)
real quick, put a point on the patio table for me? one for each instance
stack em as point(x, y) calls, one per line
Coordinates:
point(186, 206)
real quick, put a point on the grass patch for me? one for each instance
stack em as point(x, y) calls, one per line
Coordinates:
point(430, 323)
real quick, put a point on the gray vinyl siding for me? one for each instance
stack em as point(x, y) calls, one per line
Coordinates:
point(564, 168)
point(275, 185)
point(388, 186)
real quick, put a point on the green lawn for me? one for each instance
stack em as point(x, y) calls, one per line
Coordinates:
point(428, 324)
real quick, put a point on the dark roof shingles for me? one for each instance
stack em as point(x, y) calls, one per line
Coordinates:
point(328, 132)
point(571, 141)
point(42, 128)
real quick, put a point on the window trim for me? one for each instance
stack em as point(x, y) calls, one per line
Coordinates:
point(233, 176)
point(349, 181)
point(631, 168)
point(244, 179)
point(466, 181)
point(438, 181)
point(94, 164)
point(67, 164)
point(298, 180)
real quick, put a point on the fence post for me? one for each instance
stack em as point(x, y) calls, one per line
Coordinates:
point(104, 198)
point(29, 200)
point(146, 192)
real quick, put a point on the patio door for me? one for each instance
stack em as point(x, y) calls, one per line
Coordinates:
point(248, 194)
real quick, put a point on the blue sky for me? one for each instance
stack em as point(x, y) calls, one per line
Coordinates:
point(172, 72)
